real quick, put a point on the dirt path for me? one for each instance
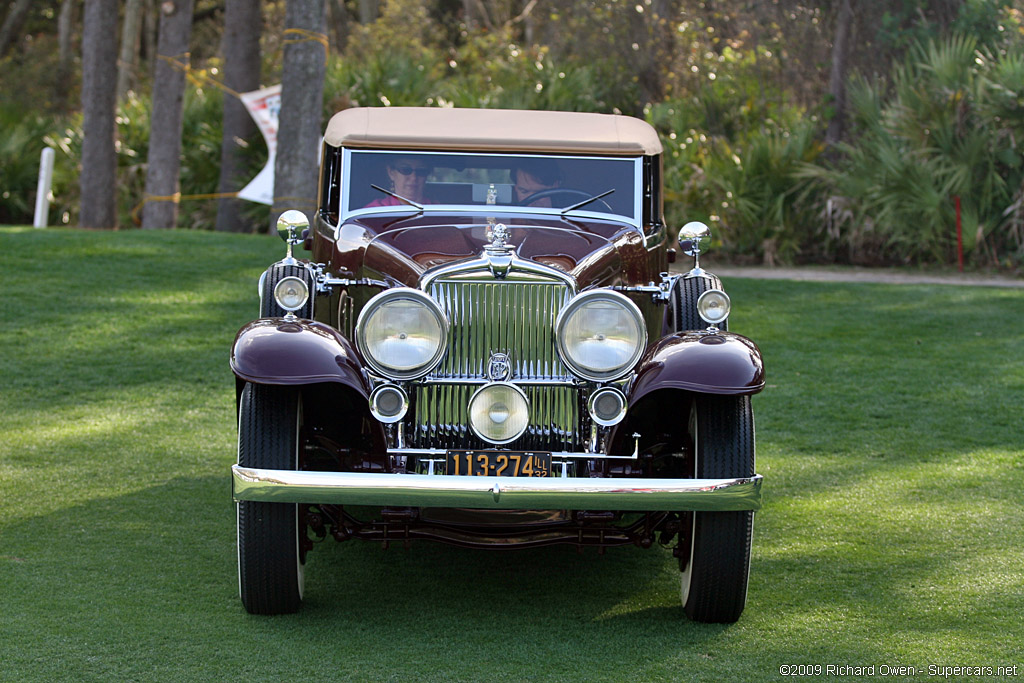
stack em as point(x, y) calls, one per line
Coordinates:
point(854, 274)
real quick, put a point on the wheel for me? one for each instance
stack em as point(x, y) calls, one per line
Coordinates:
point(684, 301)
point(270, 559)
point(571, 197)
point(276, 273)
point(714, 572)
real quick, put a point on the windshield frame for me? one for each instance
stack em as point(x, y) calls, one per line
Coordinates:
point(556, 212)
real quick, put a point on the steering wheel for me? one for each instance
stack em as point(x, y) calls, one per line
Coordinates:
point(577, 195)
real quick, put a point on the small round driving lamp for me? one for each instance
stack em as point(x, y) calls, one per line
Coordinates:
point(499, 412)
point(607, 406)
point(601, 335)
point(291, 294)
point(401, 333)
point(713, 307)
point(388, 403)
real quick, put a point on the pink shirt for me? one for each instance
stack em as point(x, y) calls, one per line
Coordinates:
point(393, 201)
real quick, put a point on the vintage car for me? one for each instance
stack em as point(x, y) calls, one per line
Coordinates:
point(487, 348)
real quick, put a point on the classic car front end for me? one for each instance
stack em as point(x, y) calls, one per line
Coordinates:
point(487, 349)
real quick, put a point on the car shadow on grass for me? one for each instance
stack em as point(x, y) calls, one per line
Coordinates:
point(129, 583)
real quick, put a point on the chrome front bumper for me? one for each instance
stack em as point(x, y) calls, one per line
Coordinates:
point(501, 493)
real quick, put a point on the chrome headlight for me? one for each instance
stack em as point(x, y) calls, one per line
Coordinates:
point(401, 333)
point(713, 306)
point(291, 293)
point(601, 335)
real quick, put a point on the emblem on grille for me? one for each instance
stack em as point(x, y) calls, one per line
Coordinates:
point(499, 367)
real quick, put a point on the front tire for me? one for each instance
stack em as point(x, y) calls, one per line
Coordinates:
point(714, 574)
point(270, 560)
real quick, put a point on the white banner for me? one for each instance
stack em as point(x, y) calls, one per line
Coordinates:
point(264, 106)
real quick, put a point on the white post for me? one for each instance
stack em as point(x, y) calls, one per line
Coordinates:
point(43, 188)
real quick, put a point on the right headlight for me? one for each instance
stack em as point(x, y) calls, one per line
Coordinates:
point(601, 335)
point(401, 333)
point(713, 306)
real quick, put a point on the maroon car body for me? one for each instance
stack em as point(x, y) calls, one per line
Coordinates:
point(433, 345)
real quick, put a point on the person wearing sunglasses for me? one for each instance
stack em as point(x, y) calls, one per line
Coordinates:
point(533, 176)
point(408, 178)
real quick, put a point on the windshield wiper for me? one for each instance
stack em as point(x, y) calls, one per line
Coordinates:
point(399, 197)
point(587, 201)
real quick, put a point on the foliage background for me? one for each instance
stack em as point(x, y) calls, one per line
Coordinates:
point(737, 90)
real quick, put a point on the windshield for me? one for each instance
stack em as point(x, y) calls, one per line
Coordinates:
point(400, 181)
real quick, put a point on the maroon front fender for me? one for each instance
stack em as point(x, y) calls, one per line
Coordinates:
point(273, 351)
point(722, 363)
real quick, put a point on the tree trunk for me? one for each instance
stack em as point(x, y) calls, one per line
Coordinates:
point(340, 21)
point(98, 179)
point(13, 22)
point(837, 76)
point(164, 163)
point(367, 11)
point(129, 47)
point(149, 32)
point(65, 25)
point(299, 129)
point(240, 48)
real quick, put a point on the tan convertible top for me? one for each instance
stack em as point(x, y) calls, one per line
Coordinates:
point(493, 130)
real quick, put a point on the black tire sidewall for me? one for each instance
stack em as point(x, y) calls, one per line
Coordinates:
point(721, 540)
point(268, 552)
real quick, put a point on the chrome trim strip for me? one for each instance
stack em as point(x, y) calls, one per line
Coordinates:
point(483, 263)
point(503, 493)
point(484, 380)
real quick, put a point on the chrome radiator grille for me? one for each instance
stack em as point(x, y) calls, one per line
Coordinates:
point(512, 317)
point(442, 420)
point(517, 318)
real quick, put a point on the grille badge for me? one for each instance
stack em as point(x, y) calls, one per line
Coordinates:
point(499, 367)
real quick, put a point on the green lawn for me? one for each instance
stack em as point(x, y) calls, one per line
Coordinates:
point(890, 437)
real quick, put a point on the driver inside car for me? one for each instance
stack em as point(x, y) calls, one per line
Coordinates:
point(532, 177)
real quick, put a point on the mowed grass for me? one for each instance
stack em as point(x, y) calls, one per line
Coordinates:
point(890, 437)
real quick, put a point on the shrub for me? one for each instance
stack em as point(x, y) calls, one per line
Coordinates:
point(949, 126)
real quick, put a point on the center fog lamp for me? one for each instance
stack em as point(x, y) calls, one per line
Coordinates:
point(401, 333)
point(601, 335)
point(499, 412)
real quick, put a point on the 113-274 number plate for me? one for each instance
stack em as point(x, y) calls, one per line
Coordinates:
point(499, 463)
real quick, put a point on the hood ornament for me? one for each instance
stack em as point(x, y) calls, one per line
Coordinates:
point(498, 234)
point(499, 253)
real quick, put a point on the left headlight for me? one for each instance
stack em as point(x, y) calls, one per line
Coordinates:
point(401, 333)
point(601, 335)
point(291, 293)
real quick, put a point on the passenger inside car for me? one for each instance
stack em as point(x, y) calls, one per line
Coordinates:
point(533, 176)
point(407, 177)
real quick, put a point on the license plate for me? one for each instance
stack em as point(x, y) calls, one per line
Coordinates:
point(499, 463)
